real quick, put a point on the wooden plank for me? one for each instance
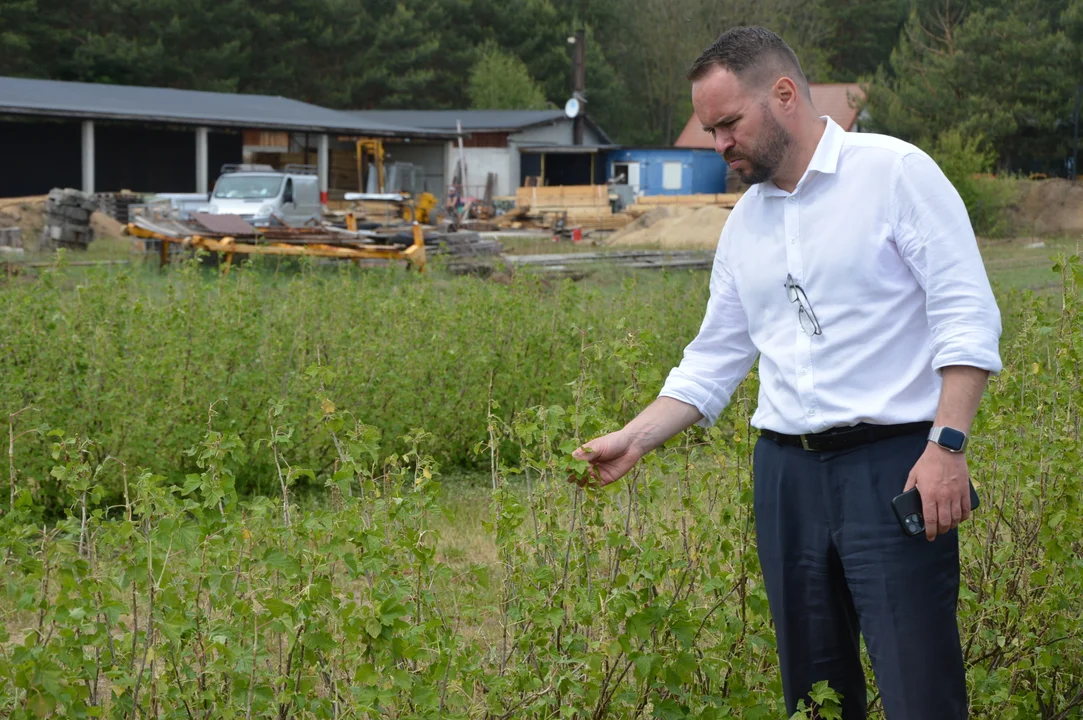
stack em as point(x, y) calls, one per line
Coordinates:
point(722, 199)
point(562, 196)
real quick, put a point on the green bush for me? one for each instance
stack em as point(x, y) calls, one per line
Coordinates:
point(641, 600)
point(136, 361)
point(967, 164)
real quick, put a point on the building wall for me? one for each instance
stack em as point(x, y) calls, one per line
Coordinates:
point(480, 162)
point(561, 132)
point(709, 172)
point(700, 171)
point(432, 158)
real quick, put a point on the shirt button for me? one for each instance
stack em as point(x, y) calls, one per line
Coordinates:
point(802, 371)
point(793, 240)
point(811, 412)
point(792, 198)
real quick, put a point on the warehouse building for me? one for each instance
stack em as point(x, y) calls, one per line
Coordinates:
point(516, 147)
point(105, 138)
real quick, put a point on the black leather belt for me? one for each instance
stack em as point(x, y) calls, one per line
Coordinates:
point(847, 437)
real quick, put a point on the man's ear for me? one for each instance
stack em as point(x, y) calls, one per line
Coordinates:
point(785, 93)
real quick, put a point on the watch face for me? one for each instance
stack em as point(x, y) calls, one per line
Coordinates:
point(951, 439)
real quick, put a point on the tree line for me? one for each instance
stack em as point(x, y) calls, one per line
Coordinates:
point(1002, 69)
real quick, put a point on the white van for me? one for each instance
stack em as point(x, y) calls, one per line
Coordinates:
point(258, 192)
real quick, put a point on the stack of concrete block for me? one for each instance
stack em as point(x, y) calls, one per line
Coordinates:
point(67, 220)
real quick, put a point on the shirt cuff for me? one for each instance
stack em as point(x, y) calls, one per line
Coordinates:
point(708, 398)
point(974, 348)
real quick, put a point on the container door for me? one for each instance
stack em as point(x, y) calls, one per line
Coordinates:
point(633, 176)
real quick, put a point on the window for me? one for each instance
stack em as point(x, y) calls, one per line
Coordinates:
point(671, 176)
point(247, 187)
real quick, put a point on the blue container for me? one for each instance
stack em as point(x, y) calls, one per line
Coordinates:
point(669, 171)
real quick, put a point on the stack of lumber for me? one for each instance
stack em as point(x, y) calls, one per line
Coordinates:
point(455, 244)
point(378, 209)
point(647, 203)
point(632, 259)
point(585, 206)
point(460, 244)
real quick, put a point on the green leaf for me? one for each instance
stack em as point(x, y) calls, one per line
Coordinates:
point(276, 559)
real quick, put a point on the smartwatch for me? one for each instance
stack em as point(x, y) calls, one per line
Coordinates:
point(948, 438)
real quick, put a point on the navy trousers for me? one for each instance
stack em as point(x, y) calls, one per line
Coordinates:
point(836, 562)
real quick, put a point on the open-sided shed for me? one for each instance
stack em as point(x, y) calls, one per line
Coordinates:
point(99, 137)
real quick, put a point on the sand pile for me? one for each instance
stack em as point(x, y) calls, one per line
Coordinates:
point(27, 213)
point(105, 226)
point(672, 227)
point(1048, 207)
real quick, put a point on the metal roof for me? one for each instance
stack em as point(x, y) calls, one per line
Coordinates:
point(550, 148)
point(472, 120)
point(54, 98)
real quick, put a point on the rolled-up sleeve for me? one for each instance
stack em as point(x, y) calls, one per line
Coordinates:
point(720, 356)
point(935, 238)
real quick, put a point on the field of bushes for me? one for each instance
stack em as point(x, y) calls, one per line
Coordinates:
point(326, 493)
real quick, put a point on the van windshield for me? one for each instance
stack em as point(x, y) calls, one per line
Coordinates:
point(247, 187)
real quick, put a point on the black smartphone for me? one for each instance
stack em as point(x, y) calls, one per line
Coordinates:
point(908, 509)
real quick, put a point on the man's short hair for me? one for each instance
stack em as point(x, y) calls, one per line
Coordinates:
point(757, 56)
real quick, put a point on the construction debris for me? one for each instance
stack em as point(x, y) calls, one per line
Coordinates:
point(117, 205)
point(587, 207)
point(326, 241)
point(564, 209)
point(67, 220)
point(11, 235)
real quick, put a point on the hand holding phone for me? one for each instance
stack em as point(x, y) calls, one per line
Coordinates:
point(908, 509)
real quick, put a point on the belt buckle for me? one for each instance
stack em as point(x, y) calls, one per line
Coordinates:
point(804, 443)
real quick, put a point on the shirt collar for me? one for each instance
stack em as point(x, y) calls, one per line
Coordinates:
point(824, 160)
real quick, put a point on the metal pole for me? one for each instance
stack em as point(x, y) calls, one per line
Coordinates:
point(322, 167)
point(462, 158)
point(201, 160)
point(580, 54)
point(88, 156)
point(1075, 145)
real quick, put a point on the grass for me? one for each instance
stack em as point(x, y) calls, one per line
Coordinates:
point(1025, 263)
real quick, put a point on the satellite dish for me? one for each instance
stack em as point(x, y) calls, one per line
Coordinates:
point(572, 108)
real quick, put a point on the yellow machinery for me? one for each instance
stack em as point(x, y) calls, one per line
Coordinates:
point(414, 208)
point(421, 209)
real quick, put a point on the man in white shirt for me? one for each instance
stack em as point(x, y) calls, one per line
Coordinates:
point(851, 270)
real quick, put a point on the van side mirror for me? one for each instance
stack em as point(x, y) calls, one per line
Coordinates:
point(287, 196)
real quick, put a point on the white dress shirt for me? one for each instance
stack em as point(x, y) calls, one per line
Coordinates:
point(880, 242)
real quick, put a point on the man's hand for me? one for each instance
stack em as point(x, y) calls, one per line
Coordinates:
point(610, 456)
point(942, 479)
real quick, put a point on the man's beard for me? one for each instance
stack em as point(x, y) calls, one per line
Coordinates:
point(764, 160)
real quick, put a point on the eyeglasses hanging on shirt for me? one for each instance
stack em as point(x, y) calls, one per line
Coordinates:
point(796, 293)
